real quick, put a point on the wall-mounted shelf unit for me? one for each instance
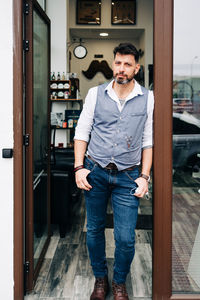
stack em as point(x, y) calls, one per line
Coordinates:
point(63, 92)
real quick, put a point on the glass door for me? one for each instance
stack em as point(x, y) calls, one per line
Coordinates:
point(37, 130)
point(186, 150)
point(176, 260)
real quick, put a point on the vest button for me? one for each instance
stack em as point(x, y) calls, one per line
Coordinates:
point(115, 144)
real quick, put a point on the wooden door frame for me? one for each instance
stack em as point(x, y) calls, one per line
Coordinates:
point(163, 165)
point(19, 273)
point(18, 148)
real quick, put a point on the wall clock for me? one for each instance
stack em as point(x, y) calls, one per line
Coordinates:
point(80, 51)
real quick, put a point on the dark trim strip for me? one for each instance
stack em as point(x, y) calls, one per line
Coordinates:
point(18, 148)
point(33, 270)
point(44, 17)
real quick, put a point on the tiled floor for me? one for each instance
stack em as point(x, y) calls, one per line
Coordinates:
point(186, 216)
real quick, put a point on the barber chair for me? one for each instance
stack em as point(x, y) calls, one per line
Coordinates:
point(64, 193)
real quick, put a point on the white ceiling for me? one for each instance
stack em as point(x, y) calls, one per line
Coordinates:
point(89, 33)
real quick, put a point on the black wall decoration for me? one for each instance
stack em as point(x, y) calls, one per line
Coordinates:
point(88, 12)
point(123, 12)
point(97, 66)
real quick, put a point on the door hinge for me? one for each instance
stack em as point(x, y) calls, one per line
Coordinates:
point(26, 140)
point(26, 45)
point(26, 8)
point(27, 266)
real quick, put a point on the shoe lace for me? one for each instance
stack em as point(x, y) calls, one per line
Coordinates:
point(120, 288)
point(99, 283)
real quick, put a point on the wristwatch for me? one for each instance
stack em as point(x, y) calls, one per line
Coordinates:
point(145, 177)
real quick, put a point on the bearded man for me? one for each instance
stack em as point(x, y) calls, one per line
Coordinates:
point(113, 138)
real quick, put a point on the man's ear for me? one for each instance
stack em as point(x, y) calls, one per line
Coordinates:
point(137, 68)
point(113, 64)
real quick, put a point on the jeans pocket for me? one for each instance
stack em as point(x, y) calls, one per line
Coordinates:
point(90, 165)
point(132, 175)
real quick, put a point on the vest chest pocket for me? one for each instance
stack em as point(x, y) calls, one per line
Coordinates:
point(134, 130)
point(137, 114)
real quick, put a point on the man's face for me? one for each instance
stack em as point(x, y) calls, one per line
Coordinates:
point(124, 68)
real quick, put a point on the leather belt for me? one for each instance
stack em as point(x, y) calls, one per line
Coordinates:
point(112, 166)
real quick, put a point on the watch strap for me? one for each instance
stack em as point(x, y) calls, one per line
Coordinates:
point(145, 177)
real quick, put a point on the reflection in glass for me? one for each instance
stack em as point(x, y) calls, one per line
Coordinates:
point(40, 94)
point(186, 149)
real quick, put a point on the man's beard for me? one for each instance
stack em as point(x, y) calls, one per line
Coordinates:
point(125, 80)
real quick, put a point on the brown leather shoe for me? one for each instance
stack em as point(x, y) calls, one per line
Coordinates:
point(119, 291)
point(100, 289)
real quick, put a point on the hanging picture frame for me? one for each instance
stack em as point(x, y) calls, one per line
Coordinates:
point(88, 12)
point(123, 12)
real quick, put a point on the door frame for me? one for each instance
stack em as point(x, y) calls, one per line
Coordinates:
point(162, 163)
point(31, 276)
point(18, 119)
point(162, 166)
point(18, 149)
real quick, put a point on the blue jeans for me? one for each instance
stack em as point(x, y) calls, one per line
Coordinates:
point(120, 185)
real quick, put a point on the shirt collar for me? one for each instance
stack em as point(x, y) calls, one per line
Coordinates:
point(135, 91)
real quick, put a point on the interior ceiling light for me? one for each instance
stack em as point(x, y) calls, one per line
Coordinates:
point(103, 34)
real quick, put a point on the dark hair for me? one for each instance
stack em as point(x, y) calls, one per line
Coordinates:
point(126, 48)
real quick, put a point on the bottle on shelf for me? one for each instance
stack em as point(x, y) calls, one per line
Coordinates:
point(66, 94)
point(70, 123)
point(58, 76)
point(64, 124)
point(67, 76)
point(77, 94)
point(53, 76)
point(74, 88)
point(63, 76)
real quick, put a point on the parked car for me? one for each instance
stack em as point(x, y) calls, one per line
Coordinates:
point(186, 141)
point(182, 104)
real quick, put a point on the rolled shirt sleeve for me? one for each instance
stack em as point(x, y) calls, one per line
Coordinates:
point(147, 138)
point(85, 122)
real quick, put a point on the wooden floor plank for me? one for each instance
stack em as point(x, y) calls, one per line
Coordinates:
point(67, 274)
point(141, 271)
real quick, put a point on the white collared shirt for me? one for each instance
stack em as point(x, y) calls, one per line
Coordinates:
point(85, 121)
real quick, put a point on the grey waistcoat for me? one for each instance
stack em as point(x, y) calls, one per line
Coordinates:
point(117, 136)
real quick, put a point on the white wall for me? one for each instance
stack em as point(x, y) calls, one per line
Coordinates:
point(6, 141)
point(57, 12)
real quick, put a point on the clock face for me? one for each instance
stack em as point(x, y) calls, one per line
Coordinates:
point(80, 51)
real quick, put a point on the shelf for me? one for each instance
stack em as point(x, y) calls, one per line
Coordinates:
point(65, 100)
point(54, 127)
point(59, 89)
point(56, 148)
point(65, 80)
